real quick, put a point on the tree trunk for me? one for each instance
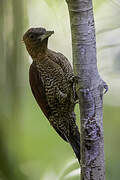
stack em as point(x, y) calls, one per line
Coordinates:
point(90, 89)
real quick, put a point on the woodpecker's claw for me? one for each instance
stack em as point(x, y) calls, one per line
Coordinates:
point(74, 79)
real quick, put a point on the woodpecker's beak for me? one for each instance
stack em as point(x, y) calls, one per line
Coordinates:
point(46, 35)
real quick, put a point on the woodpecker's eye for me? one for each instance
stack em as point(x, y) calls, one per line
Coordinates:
point(32, 36)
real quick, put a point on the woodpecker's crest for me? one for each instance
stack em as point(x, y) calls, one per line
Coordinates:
point(35, 40)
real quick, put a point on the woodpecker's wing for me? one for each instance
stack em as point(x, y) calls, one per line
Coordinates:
point(63, 62)
point(38, 91)
point(68, 67)
point(37, 88)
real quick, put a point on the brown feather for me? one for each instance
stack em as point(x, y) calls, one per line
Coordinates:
point(37, 88)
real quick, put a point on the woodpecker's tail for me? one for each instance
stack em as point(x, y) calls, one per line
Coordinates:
point(74, 141)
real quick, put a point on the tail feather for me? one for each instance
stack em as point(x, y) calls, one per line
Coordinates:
point(75, 143)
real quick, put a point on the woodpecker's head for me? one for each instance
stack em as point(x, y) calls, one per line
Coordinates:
point(36, 40)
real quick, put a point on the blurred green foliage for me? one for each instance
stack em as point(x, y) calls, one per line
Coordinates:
point(54, 3)
point(98, 3)
point(29, 147)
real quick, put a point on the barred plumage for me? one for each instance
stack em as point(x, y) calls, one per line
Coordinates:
point(51, 80)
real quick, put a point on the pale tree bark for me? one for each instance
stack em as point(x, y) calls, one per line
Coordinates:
point(90, 89)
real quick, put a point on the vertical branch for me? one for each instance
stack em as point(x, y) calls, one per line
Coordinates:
point(90, 89)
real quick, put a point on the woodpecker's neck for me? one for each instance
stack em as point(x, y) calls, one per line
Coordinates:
point(38, 51)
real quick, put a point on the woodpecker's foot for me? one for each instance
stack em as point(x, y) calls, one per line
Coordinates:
point(73, 94)
point(73, 82)
point(74, 79)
